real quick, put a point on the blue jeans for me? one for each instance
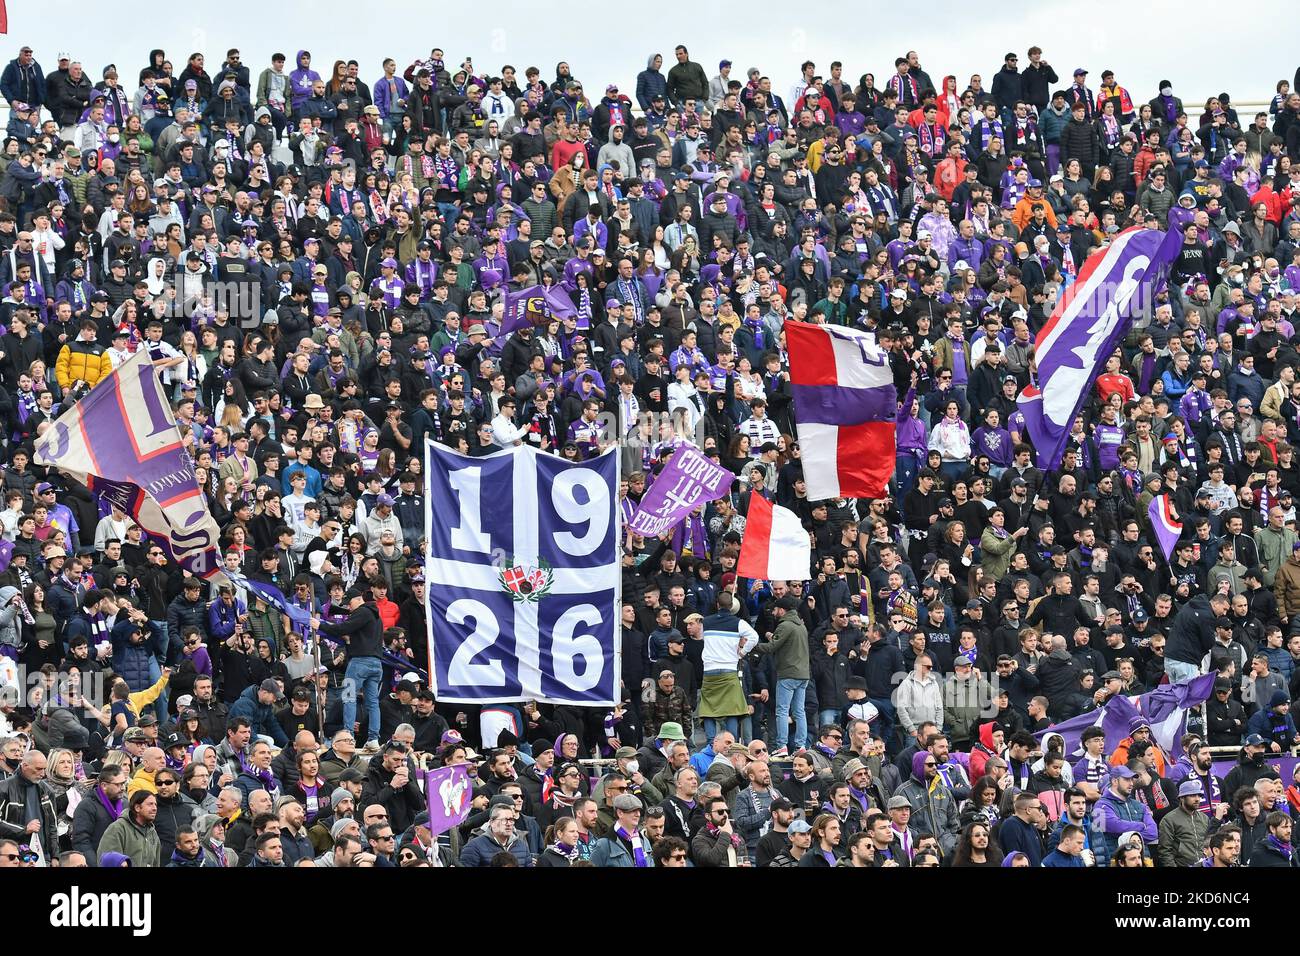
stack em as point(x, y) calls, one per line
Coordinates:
point(904, 473)
point(160, 705)
point(827, 717)
point(953, 470)
point(790, 694)
point(1179, 670)
point(713, 724)
point(884, 725)
point(363, 675)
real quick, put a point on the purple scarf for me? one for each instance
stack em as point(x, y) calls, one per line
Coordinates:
point(638, 850)
point(114, 807)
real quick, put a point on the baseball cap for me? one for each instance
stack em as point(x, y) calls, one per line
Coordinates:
point(270, 687)
point(798, 826)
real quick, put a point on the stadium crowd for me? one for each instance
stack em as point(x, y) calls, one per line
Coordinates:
point(317, 264)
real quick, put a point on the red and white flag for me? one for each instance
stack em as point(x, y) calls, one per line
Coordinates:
point(846, 409)
point(775, 545)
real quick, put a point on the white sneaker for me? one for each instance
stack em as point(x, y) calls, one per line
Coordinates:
point(780, 753)
point(371, 747)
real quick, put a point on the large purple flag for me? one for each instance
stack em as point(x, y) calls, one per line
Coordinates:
point(1164, 523)
point(1166, 707)
point(688, 480)
point(1114, 287)
point(536, 306)
point(449, 794)
point(1164, 710)
point(122, 443)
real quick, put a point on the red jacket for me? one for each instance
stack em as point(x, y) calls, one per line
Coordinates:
point(1278, 203)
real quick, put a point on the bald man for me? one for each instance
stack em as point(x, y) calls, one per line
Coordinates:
point(152, 760)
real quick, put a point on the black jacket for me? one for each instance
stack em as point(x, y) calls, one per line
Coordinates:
point(363, 632)
point(1079, 140)
point(403, 805)
point(89, 821)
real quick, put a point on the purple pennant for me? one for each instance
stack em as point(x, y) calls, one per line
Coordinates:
point(6, 554)
point(687, 481)
point(534, 307)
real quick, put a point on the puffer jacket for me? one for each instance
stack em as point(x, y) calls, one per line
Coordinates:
point(132, 662)
point(81, 361)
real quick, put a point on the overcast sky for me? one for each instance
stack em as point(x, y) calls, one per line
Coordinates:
point(605, 43)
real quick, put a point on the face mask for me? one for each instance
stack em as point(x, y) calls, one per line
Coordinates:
point(633, 766)
point(114, 138)
point(1166, 91)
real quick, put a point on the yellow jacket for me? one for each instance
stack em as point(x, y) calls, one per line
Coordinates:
point(82, 361)
point(141, 780)
point(143, 698)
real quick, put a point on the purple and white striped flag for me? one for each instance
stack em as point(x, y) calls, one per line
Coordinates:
point(1114, 286)
point(1164, 523)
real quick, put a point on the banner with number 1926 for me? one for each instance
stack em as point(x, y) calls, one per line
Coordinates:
point(522, 577)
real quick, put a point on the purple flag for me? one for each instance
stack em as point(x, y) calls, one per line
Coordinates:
point(688, 480)
point(1115, 286)
point(1164, 523)
point(535, 306)
point(6, 554)
point(449, 794)
point(1166, 707)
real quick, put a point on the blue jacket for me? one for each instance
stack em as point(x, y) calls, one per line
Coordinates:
point(1273, 726)
point(1015, 834)
point(133, 662)
point(222, 618)
point(260, 716)
point(480, 850)
point(21, 85)
point(650, 83)
point(1058, 859)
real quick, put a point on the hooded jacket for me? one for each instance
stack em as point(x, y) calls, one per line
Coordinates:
point(300, 81)
point(260, 716)
point(934, 809)
point(650, 83)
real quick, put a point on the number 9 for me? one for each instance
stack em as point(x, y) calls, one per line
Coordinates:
point(594, 512)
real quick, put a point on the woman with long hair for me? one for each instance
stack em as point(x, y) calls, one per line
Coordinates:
point(983, 803)
point(39, 629)
point(61, 777)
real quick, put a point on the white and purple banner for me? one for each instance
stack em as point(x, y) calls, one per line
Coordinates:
point(1114, 286)
point(523, 577)
point(122, 443)
point(687, 481)
point(1164, 710)
point(1164, 523)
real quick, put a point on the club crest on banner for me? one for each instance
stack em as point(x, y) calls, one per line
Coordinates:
point(527, 584)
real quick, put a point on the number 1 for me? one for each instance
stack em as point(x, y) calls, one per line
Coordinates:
point(468, 535)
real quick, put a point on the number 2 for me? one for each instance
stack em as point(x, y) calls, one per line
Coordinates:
point(461, 672)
